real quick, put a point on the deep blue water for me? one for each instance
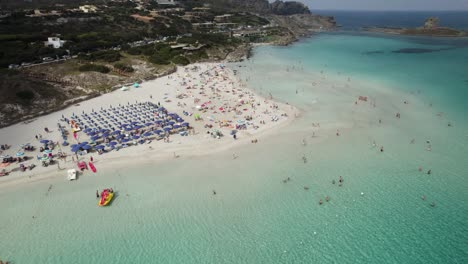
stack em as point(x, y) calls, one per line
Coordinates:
point(354, 20)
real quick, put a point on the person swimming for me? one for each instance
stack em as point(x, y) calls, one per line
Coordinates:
point(214, 192)
point(320, 202)
point(327, 198)
point(429, 172)
point(423, 198)
point(97, 194)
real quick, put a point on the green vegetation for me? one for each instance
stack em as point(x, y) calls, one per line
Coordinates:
point(124, 67)
point(180, 60)
point(104, 55)
point(248, 20)
point(25, 95)
point(94, 67)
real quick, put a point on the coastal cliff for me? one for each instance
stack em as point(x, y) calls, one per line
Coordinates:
point(301, 25)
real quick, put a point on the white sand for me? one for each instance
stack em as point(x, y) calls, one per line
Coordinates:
point(220, 87)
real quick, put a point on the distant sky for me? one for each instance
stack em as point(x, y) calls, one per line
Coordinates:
point(383, 5)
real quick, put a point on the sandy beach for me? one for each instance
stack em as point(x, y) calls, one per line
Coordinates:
point(210, 91)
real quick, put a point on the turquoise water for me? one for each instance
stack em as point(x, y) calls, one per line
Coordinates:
point(166, 213)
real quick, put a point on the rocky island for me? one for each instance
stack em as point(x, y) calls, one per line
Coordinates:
point(430, 28)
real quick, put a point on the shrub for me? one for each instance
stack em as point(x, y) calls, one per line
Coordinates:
point(105, 55)
point(158, 59)
point(94, 67)
point(180, 60)
point(124, 67)
point(25, 95)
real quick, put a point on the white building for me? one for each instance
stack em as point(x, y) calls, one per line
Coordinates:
point(54, 42)
point(88, 9)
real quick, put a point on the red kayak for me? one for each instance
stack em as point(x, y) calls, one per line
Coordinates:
point(91, 166)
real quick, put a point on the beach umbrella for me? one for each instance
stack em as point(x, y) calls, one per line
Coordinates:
point(116, 132)
point(105, 135)
point(120, 136)
point(136, 127)
point(86, 147)
point(87, 130)
point(128, 129)
point(136, 85)
point(113, 143)
point(185, 124)
point(171, 123)
point(75, 146)
point(76, 149)
point(167, 129)
point(158, 131)
point(136, 137)
point(45, 158)
point(147, 134)
point(44, 141)
point(158, 121)
point(95, 138)
point(148, 124)
point(176, 126)
point(99, 147)
point(83, 143)
point(125, 140)
point(91, 134)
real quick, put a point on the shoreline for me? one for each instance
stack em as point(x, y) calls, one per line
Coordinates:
point(192, 146)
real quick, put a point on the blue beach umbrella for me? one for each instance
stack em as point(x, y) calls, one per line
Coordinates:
point(136, 137)
point(75, 149)
point(99, 147)
point(167, 129)
point(113, 143)
point(87, 130)
point(185, 124)
point(125, 140)
point(75, 146)
point(116, 132)
point(158, 131)
point(86, 147)
point(83, 143)
point(95, 138)
point(147, 134)
point(44, 141)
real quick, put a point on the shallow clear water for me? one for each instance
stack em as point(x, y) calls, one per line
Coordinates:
point(166, 213)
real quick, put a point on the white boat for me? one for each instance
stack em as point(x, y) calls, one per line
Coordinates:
point(71, 174)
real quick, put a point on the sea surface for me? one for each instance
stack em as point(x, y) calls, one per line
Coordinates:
point(355, 20)
point(166, 212)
